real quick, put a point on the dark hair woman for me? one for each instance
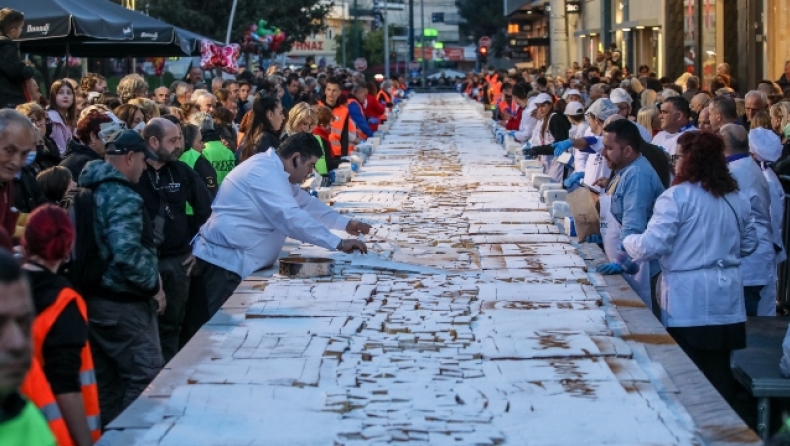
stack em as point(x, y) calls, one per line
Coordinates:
point(55, 183)
point(266, 122)
point(62, 112)
point(699, 231)
point(60, 330)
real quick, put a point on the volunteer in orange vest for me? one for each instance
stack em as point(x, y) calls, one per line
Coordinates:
point(60, 332)
point(344, 131)
point(356, 109)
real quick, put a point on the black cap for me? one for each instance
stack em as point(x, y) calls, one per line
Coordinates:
point(127, 141)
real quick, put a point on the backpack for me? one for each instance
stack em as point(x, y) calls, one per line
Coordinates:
point(86, 267)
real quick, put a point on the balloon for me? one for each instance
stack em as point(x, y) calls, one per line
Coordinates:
point(207, 54)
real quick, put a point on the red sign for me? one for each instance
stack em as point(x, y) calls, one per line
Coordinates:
point(313, 45)
point(361, 64)
point(484, 41)
point(454, 54)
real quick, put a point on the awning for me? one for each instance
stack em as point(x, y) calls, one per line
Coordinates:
point(66, 21)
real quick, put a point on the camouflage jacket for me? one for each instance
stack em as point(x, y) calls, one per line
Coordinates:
point(123, 233)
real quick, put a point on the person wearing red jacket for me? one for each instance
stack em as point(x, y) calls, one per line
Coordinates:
point(375, 112)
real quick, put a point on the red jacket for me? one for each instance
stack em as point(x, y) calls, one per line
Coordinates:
point(374, 109)
point(515, 121)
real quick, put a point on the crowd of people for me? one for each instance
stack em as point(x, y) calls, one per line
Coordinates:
point(118, 240)
point(686, 180)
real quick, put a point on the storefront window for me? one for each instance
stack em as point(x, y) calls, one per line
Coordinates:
point(689, 35)
point(710, 57)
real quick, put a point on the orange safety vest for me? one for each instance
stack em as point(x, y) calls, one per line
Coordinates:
point(36, 388)
point(384, 96)
point(360, 134)
point(496, 93)
point(335, 136)
point(90, 390)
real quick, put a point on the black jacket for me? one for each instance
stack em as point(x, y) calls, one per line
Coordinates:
point(47, 156)
point(558, 127)
point(783, 82)
point(77, 155)
point(178, 184)
point(27, 195)
point(13, 74)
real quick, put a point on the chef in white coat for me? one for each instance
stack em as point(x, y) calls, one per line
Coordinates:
point(629, 197)
point(259, 204)
point(700, 229)
point(766, 147)
point(756, 269)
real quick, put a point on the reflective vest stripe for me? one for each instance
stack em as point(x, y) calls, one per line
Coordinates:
point(87, 377)
point(36, 388)
point(41, 328)
point(341, 119)
point(51, 411)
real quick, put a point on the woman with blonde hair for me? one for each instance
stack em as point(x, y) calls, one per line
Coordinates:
point(761, 119)
point(132, 115)
point(132, 86)
point(301, 118)
point(780, 118)
point(649, 118)
point(649, 98)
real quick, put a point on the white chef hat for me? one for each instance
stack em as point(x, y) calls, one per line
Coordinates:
point(765, 144)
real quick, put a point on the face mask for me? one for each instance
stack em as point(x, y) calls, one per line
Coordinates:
point(139, 127)
point(30, 158)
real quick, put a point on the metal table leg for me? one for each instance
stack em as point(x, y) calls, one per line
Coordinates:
point(764, 418)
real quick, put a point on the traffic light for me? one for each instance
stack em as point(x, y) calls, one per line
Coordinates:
point(483, 51)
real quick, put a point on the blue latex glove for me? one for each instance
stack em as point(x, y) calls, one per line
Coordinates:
point(594, 238)
point(573, 180)
point(509, 111)
point(512, 134)
point(610, 268)
point(373, 120)
point(561, 146)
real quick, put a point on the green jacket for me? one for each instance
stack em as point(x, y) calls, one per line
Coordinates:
point(320, 165)
point(221, 158)
point(124, 233)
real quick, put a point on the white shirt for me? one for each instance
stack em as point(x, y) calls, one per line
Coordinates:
point(777, 210)
point(669, 141)
point(579, 158)
point(526, 126)
point(595, 167)
point(751, 182)
point(699, 240)
point(256, 208)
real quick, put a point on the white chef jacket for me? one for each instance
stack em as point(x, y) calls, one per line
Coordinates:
point(579, 158)
point(256, 208)
point(669, 141)
point(527, 125)
point(596, 166)
point(755, 268)
point(777, 210)
point(698, 240)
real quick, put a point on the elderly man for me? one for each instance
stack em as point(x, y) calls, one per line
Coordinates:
point(703, 120)
point(206, 103)
point(195, 76)
point(692, 88)
point(162, 96)
point(675, 119)
point(756, 269)
point(722, 112)
point(755, 102)
point(698, 103)
point(17, 139)
point(183, 92)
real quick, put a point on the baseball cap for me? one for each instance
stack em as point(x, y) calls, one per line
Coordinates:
point(619, 95)
point(126, 141)
point(602, 109)
point(543, 98)
point(574, 109)
point(572, 91)
point(765, 144)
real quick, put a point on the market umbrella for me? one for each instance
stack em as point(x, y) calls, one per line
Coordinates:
point(149, 38)
point(68, 21)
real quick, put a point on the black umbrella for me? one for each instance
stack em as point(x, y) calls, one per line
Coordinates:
point(64, 21)
point(150, 37)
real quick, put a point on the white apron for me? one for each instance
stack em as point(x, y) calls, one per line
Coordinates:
point(610, 232)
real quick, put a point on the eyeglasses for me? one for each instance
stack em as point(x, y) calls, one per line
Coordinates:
point(674, 159)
